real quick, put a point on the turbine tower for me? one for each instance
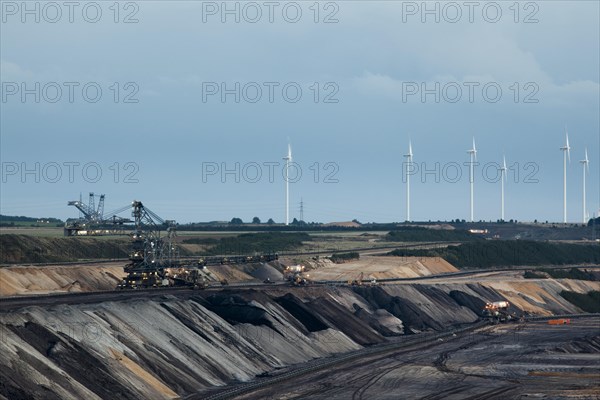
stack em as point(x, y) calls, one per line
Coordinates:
point(287, 159)
point(586, 169)
point(502, 179)
point(567, 154)
point(408, 165)
point(473, 155)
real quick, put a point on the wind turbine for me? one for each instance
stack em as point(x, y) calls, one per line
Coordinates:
point(567, 153)
point(502, 179)
point(473, 153)
point(287, 159)
point(586, 169)
point(409, 157)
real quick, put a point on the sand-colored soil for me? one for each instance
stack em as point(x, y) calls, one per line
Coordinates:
point(380, 267)
point(40, 280)
point(144, 375)
point(540, 296)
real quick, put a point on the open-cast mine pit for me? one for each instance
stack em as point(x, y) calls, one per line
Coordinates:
point(176, 344)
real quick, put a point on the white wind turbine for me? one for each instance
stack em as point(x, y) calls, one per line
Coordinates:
point(473, 154)
point(503, 179)
point(409, 161)
point(567, 154)
point(287, 159)
point(586, 169)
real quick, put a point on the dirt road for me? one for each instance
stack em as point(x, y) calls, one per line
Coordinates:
point(503, 361)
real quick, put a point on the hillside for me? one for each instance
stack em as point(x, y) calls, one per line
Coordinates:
point(172, 347)
point(16, 221)
point(30, 249)
point(504, 253)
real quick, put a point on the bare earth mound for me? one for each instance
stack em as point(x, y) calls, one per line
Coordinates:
point(380, 267)
point(41, 280)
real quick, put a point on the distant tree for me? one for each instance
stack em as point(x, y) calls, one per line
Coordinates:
point(270, 221)
point(294, 221)
point(356, 221)
point(256, 220)
point(236, 221)
point(535, 221)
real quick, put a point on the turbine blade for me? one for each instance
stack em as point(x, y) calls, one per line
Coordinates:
point(568, 148)
point(587, 162)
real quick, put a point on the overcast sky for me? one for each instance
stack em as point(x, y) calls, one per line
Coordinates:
point(197, 109)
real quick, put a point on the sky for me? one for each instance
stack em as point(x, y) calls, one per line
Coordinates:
point(189, 106)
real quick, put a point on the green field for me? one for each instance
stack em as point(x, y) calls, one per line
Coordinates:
point(33, 231)
point(505, 253)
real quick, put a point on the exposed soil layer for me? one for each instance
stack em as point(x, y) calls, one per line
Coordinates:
point(379, 267)
point(168, 347)
point(513, 361)
point(77, 278)
point(33, 249)
point(414, 318)
point(301, 312)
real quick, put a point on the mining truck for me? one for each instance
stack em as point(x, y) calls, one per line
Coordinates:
point(299, 280)
point(497, 311)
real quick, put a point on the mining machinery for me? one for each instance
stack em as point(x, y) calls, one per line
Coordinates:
point(89, 211)
point(296, 276)
point(93, 220)
point(498, 311)
point(154, 260)
point(358, 281)
point(299, 280)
